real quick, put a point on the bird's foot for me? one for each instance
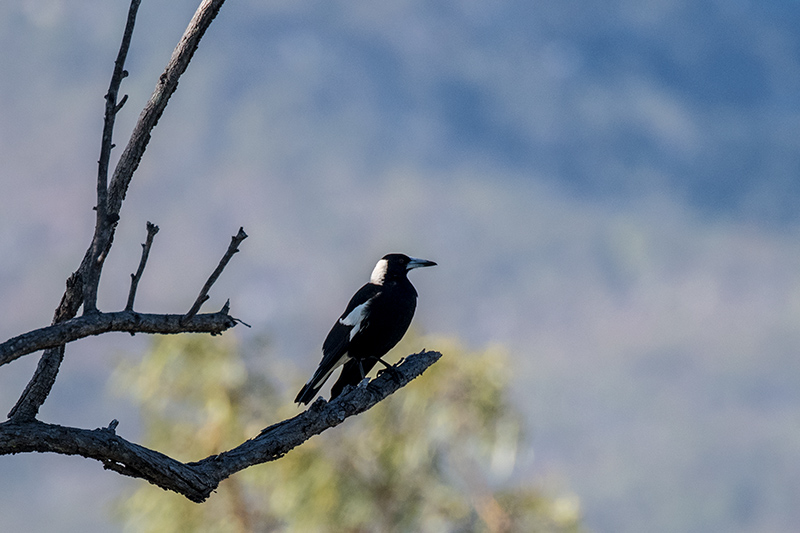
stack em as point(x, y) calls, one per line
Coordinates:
point(396, 375)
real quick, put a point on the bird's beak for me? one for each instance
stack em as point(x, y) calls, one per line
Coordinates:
point(416, 263)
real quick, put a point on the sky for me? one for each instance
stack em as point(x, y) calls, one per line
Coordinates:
point(609, 189)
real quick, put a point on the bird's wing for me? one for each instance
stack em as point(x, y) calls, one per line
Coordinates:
point(334, 349)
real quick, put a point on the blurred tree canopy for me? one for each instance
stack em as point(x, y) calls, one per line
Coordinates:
point(431, 458)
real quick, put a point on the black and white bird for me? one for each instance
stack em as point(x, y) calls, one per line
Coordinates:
point(376, 318)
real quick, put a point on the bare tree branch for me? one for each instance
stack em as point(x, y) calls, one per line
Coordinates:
point(196, 480)
point(85, 280)
point(103, 234)
point(167, 83)
point(99, 323)
point(152, 229)
point(236, 240)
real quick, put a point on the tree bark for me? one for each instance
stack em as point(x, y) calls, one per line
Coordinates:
point(197, 480)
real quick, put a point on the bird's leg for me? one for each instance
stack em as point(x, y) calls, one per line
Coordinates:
point(389, 368)
point(364, 381)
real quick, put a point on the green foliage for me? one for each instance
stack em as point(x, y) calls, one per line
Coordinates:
point(427, 458)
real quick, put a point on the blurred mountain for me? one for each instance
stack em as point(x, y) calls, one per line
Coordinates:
point(609, 189)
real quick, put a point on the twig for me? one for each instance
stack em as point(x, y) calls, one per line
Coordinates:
point(152, 229)
point(112, 107)
point(102, 235)
point(123, 321)
point(197, 480)
point(120, 104)
point(236, 240)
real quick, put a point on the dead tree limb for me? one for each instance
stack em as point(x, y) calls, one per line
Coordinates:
point(197, 480)
point(82, 284)
point(99, 323)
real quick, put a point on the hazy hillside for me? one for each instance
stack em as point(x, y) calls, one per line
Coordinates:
point(609, 190)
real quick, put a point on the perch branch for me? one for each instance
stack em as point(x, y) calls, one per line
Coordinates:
point(197, 480)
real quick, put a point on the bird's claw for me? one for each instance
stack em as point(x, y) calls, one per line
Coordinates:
point(392, 371)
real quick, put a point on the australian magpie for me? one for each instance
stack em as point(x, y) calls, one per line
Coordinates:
point(376, 318)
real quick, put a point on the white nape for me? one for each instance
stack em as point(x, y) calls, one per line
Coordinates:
point(379, 273)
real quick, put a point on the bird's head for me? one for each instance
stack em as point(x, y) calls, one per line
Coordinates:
point(396, 266)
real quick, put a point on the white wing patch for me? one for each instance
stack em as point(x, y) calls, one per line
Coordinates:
point(356, 318)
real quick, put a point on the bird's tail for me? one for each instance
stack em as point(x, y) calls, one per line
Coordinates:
point(308, 392)
point(310, 389)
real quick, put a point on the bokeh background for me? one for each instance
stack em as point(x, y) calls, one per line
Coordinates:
point(609, 188)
